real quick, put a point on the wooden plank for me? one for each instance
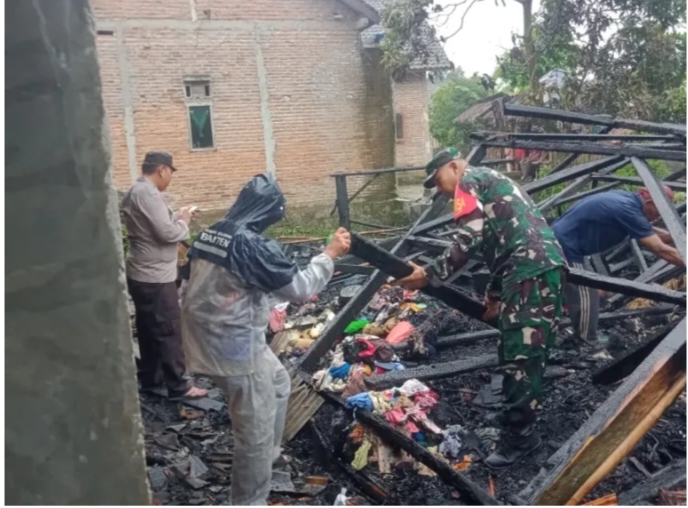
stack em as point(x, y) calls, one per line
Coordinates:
point(396, 267)
point(468, 338)
point(575, 186)
point(625, 287)
point(589, 148)
point(613, 163)
point(631, 180)
point(431, 371)
point(664, 205)
point(581, 118)
point(614, 428)
point(336, 327)
point(470, 492)
point(672, 476)
point(559, 136)
point(623, 366)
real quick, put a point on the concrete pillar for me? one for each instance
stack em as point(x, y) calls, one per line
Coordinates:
point(73, 430)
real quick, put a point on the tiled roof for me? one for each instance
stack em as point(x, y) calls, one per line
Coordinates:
point(437, 59)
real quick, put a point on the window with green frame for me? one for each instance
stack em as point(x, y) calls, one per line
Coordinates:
point(201, 127)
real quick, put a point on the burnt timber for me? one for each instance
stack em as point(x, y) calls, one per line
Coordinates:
point(657, 367)
point(615, 427)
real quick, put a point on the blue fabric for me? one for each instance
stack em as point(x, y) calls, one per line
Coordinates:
point(390, 365)
point(361, 400)
point(600, 222)
point(341, 371)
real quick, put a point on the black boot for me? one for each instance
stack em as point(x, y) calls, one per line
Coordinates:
point(514, 444)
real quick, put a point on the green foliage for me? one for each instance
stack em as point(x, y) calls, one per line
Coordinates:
point(407, 33)
point(448, 102)
point(622, 57)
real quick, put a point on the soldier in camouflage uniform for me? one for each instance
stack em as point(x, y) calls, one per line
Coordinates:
point(495, 218)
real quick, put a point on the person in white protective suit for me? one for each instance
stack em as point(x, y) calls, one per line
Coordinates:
point(225, 314)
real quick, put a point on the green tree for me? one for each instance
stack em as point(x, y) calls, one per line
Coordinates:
point(622, 57)
point(409, 31)
point(448, 102)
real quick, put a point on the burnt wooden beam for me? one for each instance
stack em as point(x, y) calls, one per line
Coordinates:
point(431, 371)
point(665, 207)
point(638, 255)
point(396, 267)
point(645, 492)
point(556, 114)
point(625, 287)
point(614, 428)
point(623, 366)
point(609, 163)
point(653, 274)
point(617, 267)
point(565, 163)
point(581, 118)
point(578, 184)
point(468, 338)
point(589, 148)
point(496, 162)
point(356, 269)
point(367, 486)
point(336, 327)
point(469, 491)
point(342, 201)
point(631, 180)
point(435, 243)
point(558, 136)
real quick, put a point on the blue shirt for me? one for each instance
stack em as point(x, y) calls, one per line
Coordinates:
point(600, 222)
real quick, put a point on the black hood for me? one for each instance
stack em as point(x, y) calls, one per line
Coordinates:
point(236, 242)
point(260, 205)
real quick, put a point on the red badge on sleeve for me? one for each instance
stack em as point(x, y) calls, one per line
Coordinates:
point(464, 203)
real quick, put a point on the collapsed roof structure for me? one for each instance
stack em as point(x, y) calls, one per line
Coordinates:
point(653, 375)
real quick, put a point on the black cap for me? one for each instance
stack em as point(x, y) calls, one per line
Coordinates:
point(158, 159)
point(440, 159)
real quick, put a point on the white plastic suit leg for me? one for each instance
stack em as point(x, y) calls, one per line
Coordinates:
point(282, 384)
point(253, 401)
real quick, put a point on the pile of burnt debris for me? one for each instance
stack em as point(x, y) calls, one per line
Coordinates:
point(394, 392)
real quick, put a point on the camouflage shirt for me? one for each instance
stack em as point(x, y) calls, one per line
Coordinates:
point(497, 219)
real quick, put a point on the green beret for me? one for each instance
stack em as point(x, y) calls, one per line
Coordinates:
point(440, 159)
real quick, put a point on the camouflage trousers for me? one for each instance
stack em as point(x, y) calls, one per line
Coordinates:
point(529, 315)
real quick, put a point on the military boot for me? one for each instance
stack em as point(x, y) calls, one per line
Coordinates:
point(514, 444)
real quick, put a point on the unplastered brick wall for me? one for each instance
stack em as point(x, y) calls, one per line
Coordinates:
point(291, 91)
point(411, 100)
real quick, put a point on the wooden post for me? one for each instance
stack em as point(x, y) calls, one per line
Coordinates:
point(614, 428)
point(342, 201)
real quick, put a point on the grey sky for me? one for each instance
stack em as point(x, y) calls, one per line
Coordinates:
point(486, 33)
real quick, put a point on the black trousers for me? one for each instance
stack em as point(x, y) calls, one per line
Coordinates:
point(158, 323)
point(584, 308)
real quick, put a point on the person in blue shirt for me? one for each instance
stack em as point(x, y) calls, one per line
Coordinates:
point(596, 224)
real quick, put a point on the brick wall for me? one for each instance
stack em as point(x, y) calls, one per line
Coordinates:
point(411, 99)
point(290, 86)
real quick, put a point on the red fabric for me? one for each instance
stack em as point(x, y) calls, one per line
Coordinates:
point(520, 154)
point(464, 203)
point(277, 318)
point(425, 400)
point(399, 333)
point(395, 416)
point(368, 351)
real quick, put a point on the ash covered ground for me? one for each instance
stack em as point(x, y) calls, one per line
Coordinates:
point(189, 449)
